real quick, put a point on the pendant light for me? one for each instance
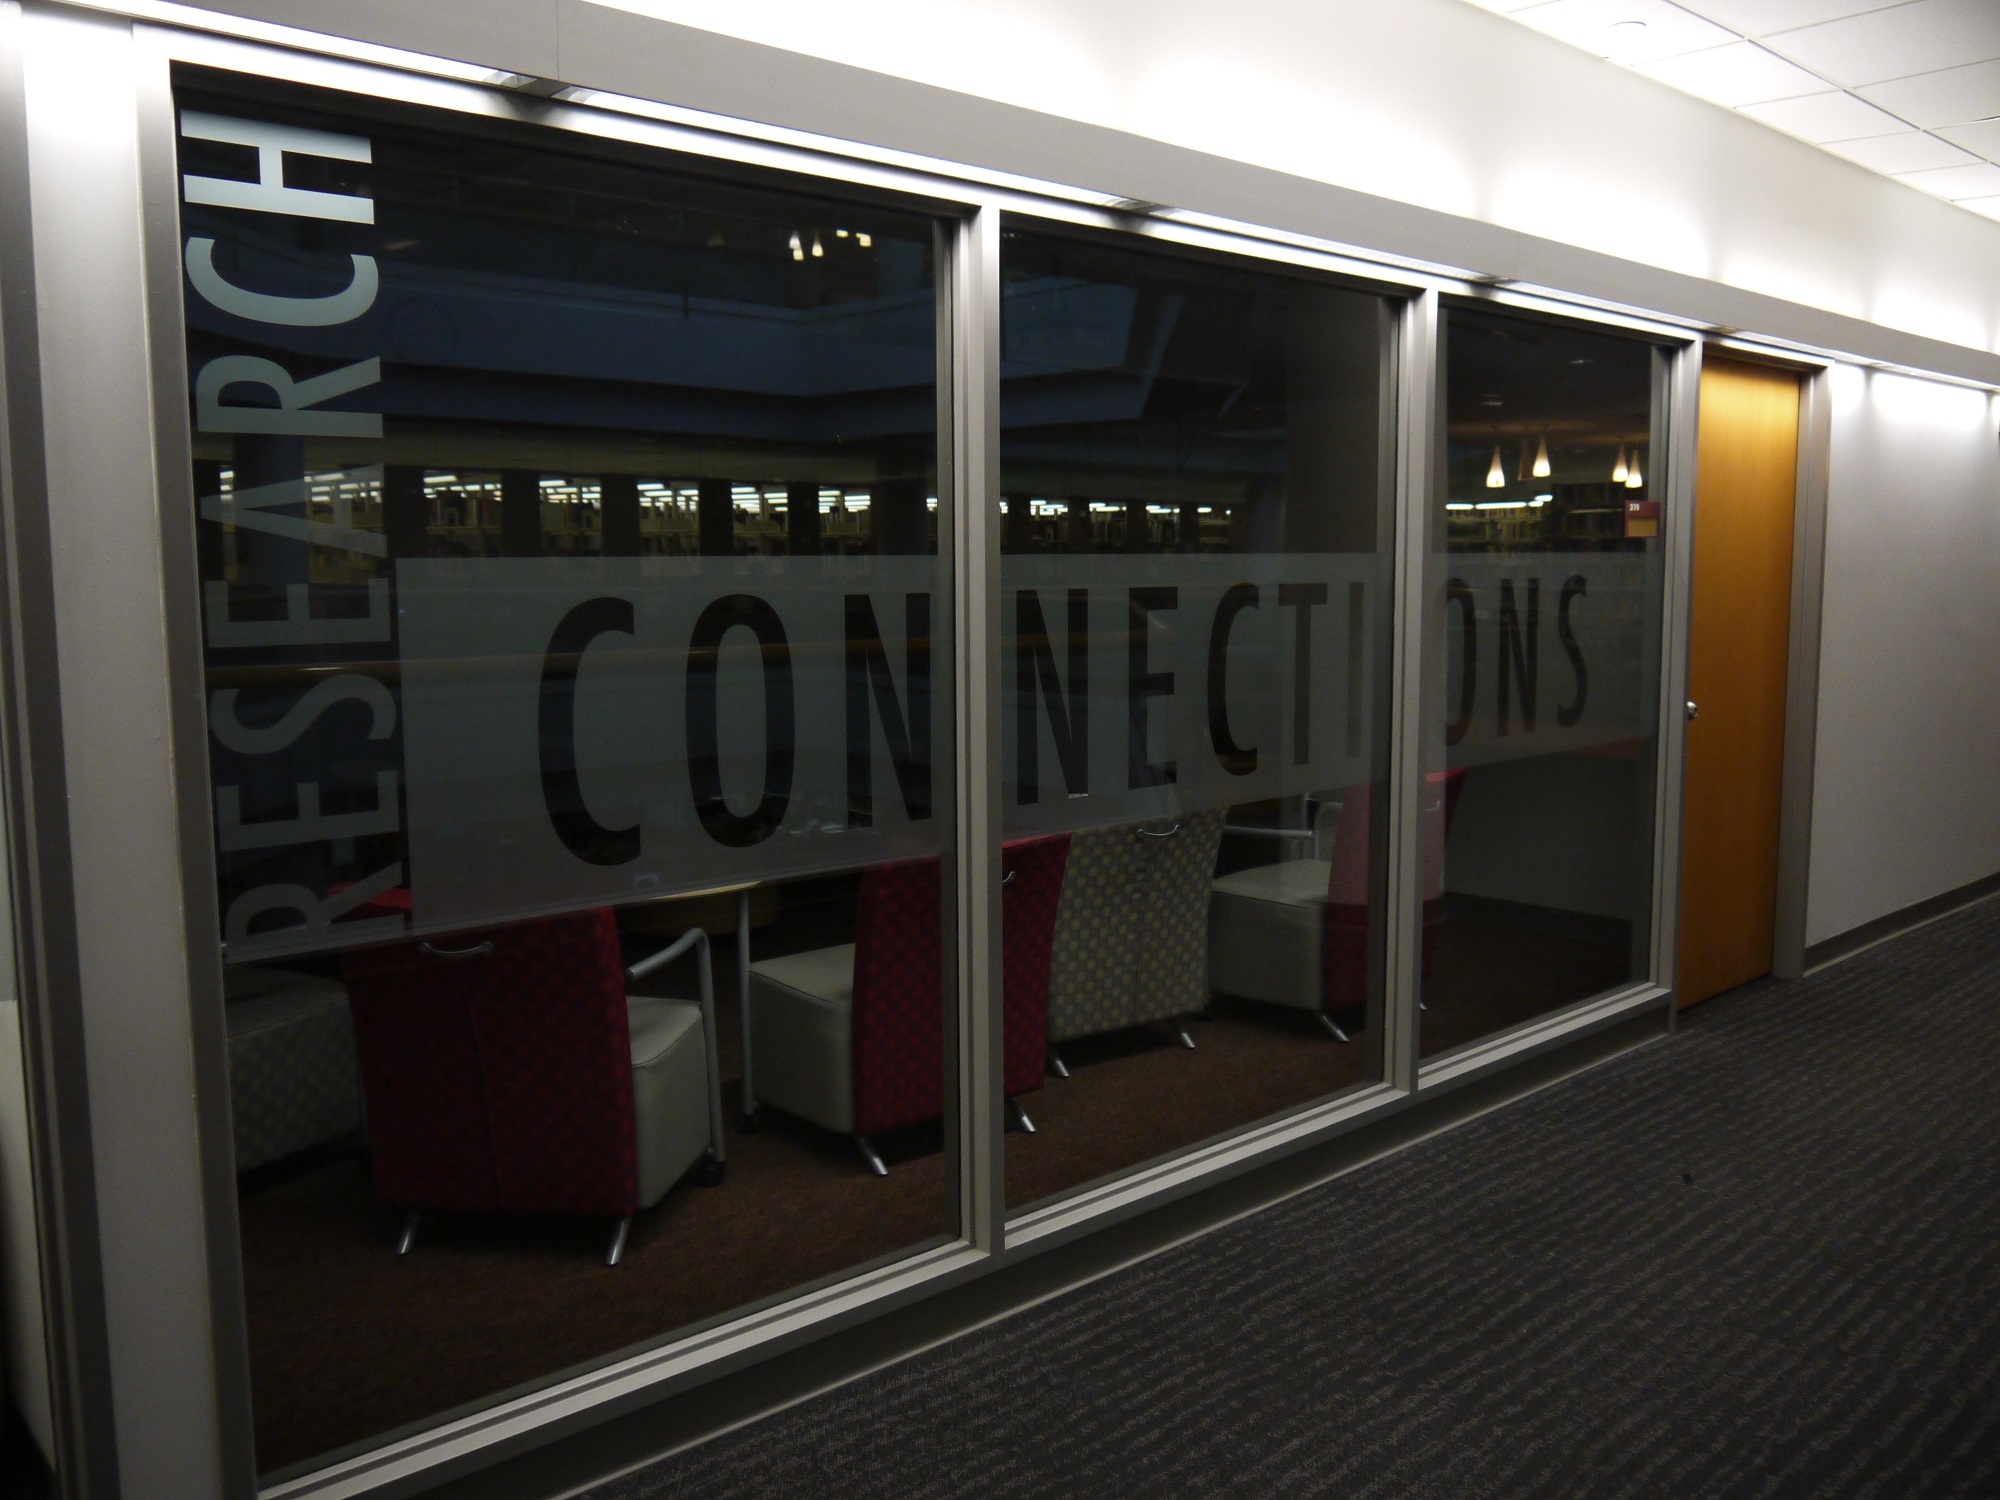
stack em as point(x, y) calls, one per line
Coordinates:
point(1496, 477)
point(818, 249)
point(1618, 473)
point(1541, 470)
point(1633, 478)
point(798, 250)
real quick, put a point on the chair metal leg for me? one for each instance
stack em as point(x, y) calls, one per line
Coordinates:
point(1333, 1028)
point(409, 1235)
point(1020, 1116)
point(1181, 1035)
point(751, 1120)
point(871, 1156)
point(717, 1149)
point(1056, 1065)
point(617, 1251)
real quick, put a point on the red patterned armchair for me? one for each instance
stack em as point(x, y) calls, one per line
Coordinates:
point(852, 1037)
point(508, 1069)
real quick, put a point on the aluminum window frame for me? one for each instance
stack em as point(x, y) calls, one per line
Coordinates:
point(973, 203)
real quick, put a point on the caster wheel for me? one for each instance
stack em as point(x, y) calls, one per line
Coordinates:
point(751, 1123)
point(710, 1173)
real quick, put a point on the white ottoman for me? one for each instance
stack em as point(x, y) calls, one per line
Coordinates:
point(1267, 933)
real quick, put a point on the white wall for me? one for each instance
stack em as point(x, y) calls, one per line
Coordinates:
point(1906, 794)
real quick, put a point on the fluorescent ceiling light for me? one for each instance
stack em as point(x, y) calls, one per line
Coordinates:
point(1628, 31)
point(1735, 74)
point(1910, 151)
point(1982, 136)
point(1952, 96)
point(1832, 116)
point(1761, 17)
point(1896, 41)
point(1980, 180)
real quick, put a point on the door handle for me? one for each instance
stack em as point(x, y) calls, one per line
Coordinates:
point(1693, 709)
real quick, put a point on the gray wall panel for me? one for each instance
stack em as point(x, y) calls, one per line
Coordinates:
point(518, 36)
point(81, 85)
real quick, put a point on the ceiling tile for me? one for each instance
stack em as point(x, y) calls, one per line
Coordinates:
point(1756, 17)
point(1740, 73)
point(1983, 138)
point(1956, 96)
point(1908, 88)
point(1921, 37)
point(1626, 31)
point(1826, 117)
point(1912, 151)
point(1981, 180)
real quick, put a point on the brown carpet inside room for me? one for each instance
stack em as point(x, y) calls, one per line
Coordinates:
point(350, 1342)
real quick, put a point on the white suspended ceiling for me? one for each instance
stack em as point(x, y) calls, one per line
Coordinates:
point(1909, 89)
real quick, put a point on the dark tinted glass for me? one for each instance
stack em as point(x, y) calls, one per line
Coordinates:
point(1544, 669)
point(575, 631)
point(1198, 484)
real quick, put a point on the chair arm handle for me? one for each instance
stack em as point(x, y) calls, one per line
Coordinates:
point(477, 950)
point(693, 937)
point(1147, 833)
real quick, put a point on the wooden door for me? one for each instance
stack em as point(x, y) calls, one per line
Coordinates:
point(1745, 481)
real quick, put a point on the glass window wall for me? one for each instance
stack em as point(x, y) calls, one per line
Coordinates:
point(1198, 482)
point(577, 656)
point(576, 606)
point(1541, 735)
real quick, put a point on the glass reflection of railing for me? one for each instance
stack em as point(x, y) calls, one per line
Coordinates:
point(1119, 525)
point(464, 511)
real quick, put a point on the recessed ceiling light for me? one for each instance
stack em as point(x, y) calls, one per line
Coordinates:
point(1625, 36)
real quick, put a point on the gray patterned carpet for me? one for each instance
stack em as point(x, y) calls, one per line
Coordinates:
point(1758, 1259)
